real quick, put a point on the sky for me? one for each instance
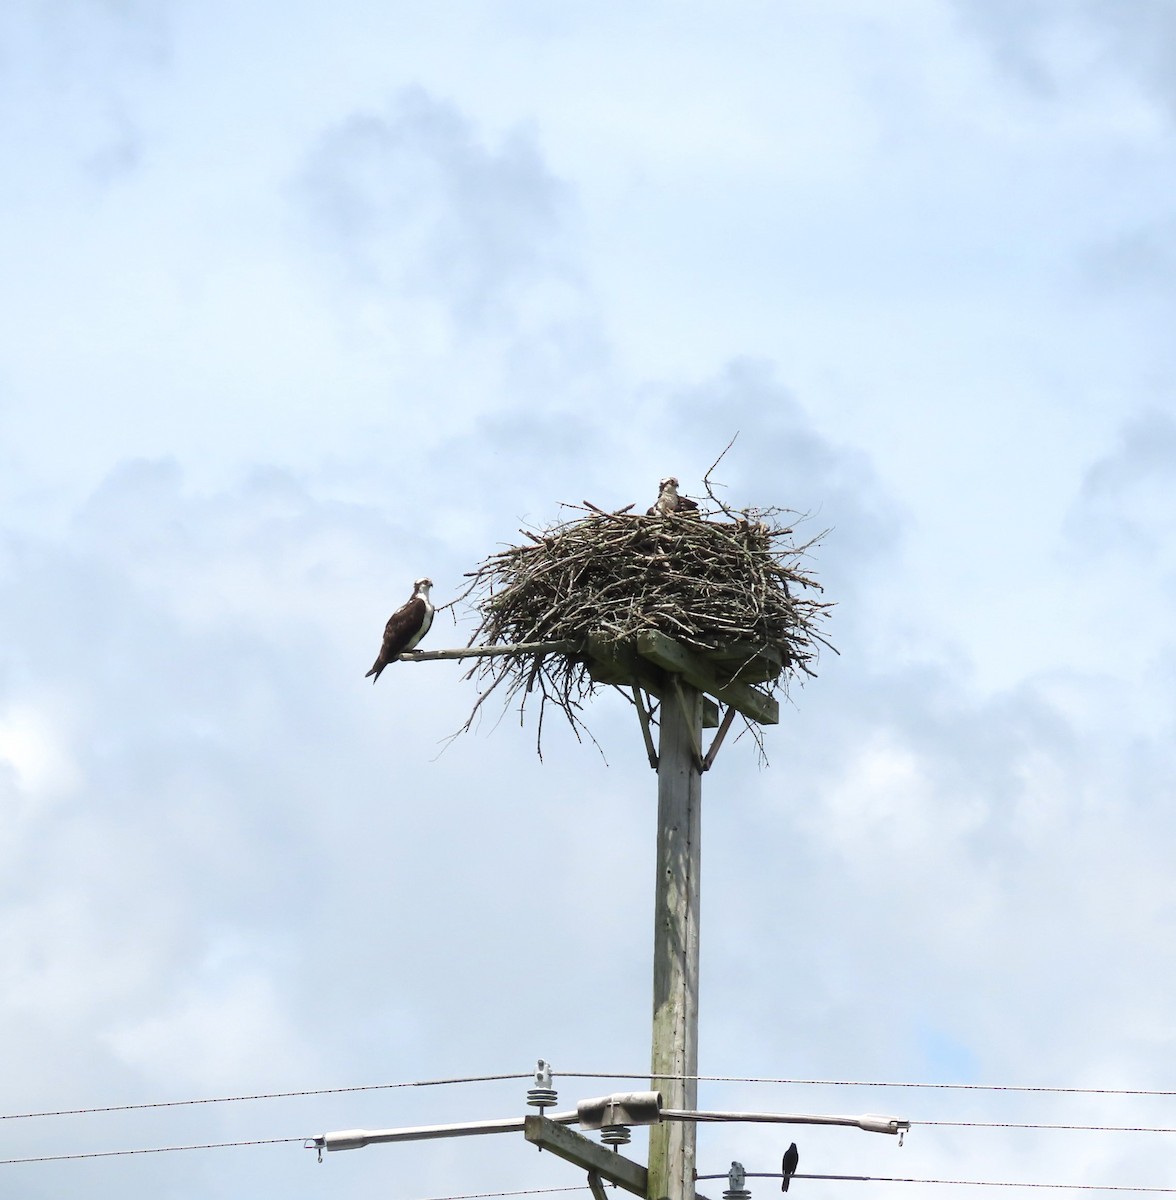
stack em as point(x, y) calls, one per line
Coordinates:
point(300, 302)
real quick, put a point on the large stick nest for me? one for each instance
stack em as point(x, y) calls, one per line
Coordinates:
point(709, 581)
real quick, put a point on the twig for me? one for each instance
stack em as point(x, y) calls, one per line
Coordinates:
point(706, 477)
point(521, 649)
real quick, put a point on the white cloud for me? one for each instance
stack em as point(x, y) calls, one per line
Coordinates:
point(32, 750)
point(218, 1035)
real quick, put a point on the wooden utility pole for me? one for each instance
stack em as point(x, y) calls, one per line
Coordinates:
point(675, 946)
point(684, 681)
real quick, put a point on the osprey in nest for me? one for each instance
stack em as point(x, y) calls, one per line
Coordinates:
point(668, 501)
point(406, 626)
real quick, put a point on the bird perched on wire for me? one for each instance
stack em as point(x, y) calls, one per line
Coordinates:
point(406, 626)
point(789, 1165)
point(668, 501)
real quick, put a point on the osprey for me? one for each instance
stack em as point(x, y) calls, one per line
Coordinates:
point(406, 626)
point(668, 501)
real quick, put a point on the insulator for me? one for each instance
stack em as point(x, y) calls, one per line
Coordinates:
point(615, 1135)
point(542, 1095)
point(735, 1177)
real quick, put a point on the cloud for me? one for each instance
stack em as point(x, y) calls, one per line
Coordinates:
point(1146, 452)
point(193, 653)
point(1144, 257)
point(216, 1033)
point(30, 749)
point(1057, 50)
point(74, 70)
point(1127, 492)
point(414, 203)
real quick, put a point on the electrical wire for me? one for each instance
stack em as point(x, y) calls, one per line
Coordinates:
point(1086, 1187)
point(970, 1183)
point(43, 1158)
point(1037, 1125)
point(366, 1087)
point(981, 1183)
point(417, 1083)
point(1081, 1187)
point(973, 1087)
point(524, 1192)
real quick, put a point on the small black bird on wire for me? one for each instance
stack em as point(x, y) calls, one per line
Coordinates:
point(789, 1165)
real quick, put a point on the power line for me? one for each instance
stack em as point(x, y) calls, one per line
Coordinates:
point(524, 1192)
point(419, 1083)
point(1036, 1125)
point(1082, 1187)
point(7, 1162)
point(997, 1183)
point(973, 1087)
point(1085, 1187)
point(367, 1087)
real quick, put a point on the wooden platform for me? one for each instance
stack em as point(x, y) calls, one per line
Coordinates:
point(725, 676)
point(652, 661)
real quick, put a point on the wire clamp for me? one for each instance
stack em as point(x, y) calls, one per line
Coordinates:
point(542, 1095)
point(736, 1177)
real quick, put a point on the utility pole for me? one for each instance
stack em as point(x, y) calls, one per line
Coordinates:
point(690, 687)
point(684, 684)
point(675, 946)
point(737, 639)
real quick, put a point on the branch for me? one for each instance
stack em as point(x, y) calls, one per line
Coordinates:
point(706, 477)
point(518, 650)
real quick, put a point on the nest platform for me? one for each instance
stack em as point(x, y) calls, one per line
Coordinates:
point(719, 600)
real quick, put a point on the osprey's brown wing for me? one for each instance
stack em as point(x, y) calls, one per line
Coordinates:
point(402, 624)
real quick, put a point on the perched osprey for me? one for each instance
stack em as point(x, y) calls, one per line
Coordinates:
point(789, 1165)
point(668, 501)
point(406, 626)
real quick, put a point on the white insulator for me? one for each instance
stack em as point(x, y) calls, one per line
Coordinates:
point(735, 1179)
point(615, 1135)
point(542, 1095)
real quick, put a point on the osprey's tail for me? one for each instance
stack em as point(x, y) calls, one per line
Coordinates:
point(377, 667)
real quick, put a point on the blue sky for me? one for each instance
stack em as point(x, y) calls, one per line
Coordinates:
point(300, 302)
